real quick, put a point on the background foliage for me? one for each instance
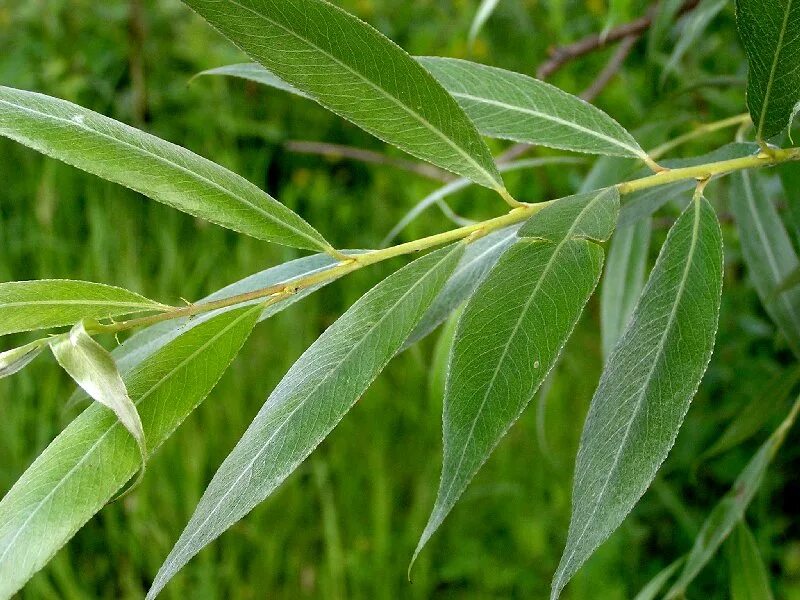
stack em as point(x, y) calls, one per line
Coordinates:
point(346, 523)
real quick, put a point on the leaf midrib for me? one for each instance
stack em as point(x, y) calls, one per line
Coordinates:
point(422, 120)
point(773, 69)
point(648, 380)
point(300, 404)
point(191, 173)
point(55, 303)
point(553, 118)
point(117, 423)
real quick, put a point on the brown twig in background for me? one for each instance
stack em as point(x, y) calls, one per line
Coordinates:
point(564, 54)
point(367, 156)
point(611, 69)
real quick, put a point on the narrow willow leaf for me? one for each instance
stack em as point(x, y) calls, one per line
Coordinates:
point(94, 370)
point(748, 574)
point(94, 456)
point(479, 257)
point(665, 13)
point(256, 73)
point(623, 280)
point(513, 329)
point(647, 385)
point(151, 166)
point(16, 359)
point(482, 15)
point(653, 587)
point(312, 398)
point(695, 23)
point(730, 510)
point(513, 106)
point(770, 34)
point(45, 303)
point(758, 412)
point(768, 253)
point(356, 72)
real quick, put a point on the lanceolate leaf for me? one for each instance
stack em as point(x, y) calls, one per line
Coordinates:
point(647, 385)
point(311, 399)
point(768, 253)
point(512, 331)
point(695, 23)
point(730, 510)
point(351, 69)
point(257, 73)
point(513, 106)
point(151, 166)
point(623, 280)
point(94, 456)
point(485, 11)
point(748, 574)
point(770, 34)
point(93, 369)
point(16, 359)
point(29, 305)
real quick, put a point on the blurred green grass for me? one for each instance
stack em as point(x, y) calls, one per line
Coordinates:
point(345, 524)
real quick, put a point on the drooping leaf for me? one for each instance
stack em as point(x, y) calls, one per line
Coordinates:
point(653, 587)
point(647, 385)
point(770, 33)
point(482, 15)
point(356, 72)
point(16, 359)
point(513, 106)
point(311, 399)
point(513, 329)
point(748, 574)
point(94, 370)
point(45, 303)
point(731, 509)
point(694, 24)
point(623, 280)
point(479, 257)
point(256, 73)
point(151, 166)
point(94, 456)
point(768, 253)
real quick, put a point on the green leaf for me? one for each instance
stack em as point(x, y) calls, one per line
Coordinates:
point(770, 34)
point(757, 412)
point(768, 253)
point(647, 385)
point(482, 15)
point(45, 303)
point(479, 257)
point(790, 178)
point(695, 23)
point(623, 280)
point(513, 329)
point(94, 370)
point(312, 398)
point(356, 72)
point(749, 578)
point(151, 166)
point(730, 510)
point(94, 456)
point(256, 73)
point(653, 587)
point(513, 106)
point(16, 359)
